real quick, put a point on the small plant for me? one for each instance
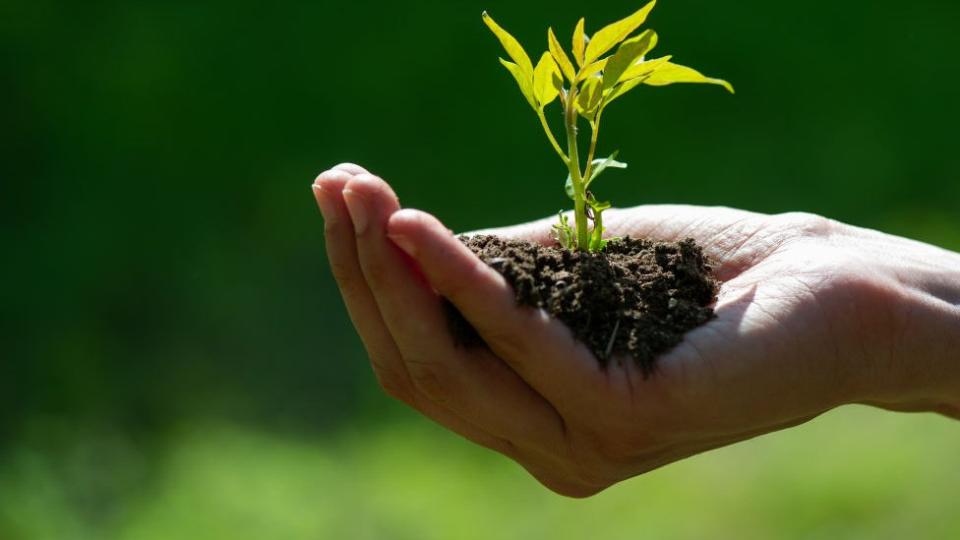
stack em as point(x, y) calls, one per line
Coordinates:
point(585, 90)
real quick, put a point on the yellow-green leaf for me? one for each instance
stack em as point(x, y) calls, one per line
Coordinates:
point(526, 85)
point(670, 73)
point(589, 98)
point(642, 69)
point(635, 76)
point(592, 69)
point(622, 89)
point(629, 52)
point(511, 45)
point(612, 34)
point(579, 42)
point(561, 57)
point(546, 81)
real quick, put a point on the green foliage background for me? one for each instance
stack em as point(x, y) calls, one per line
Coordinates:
point(176, 359)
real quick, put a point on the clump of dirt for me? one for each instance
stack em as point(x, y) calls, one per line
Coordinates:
point(636, 298)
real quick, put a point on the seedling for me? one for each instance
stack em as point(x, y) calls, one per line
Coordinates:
point(586, 89)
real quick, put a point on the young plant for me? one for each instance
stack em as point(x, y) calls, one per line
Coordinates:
point(585, 89)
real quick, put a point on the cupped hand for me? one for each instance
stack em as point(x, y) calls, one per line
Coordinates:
point(811, 314)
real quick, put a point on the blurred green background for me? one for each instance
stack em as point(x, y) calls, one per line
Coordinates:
point(176, 359)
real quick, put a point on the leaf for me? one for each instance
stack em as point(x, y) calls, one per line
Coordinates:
point(600, 206)
point(626, 56)
point(526, 85)
point(561, 57)
point(591, 94)
point(592, 69)
point(612, 34)
point(622, 89)
point(600, 165)
point(634, 77)
point(563, 233)
point(642, 69)
point(597, 243)
point(579, 42)
point(546, 81)
point(673, 73)
point(512, 46)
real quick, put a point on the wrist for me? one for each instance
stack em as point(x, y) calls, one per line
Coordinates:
point(914, 363)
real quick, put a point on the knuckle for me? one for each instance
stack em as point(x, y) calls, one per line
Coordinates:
point(333, 229)
point(506, 342)
point(394, 388)
point(805, 224)
point(428, 379)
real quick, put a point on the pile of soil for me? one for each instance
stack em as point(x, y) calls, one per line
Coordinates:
point(637, 298)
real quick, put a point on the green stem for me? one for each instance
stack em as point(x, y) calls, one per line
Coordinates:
point(594, 132)
point(597, 237)
point(579, 202)
point(553, 140)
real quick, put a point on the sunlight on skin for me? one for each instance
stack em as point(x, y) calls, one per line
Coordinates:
point(809, 317)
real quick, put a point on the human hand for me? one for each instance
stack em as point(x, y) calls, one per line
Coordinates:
point(812, 314)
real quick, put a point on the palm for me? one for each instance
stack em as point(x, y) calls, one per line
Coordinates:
point(539, 397)
point(737, 376)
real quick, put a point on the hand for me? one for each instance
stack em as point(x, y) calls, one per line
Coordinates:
point(812, 314)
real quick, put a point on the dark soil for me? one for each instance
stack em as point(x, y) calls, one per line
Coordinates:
point(635, 299)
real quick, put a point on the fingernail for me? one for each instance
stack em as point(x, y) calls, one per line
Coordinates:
point(325, 204)
point(358, 212)
point(404, 243)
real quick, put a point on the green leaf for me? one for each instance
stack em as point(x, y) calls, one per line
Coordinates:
point(561, 57)
point(634, 77)
point(597, 243)
point(612, 34)
point(579, 42)
point(526, 85)
point(626, 56)
point(512, 46)
point(600, 165)
point(600, 206)
point(673, 73)
point(622, 89)
point(642, 69)
point(547, 81)
point(564, 233)
point(592, 69)
point(591, 94)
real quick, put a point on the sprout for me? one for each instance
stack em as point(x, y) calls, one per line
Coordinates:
point(585, 86)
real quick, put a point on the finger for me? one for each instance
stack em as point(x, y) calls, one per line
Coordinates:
point(540, 349)
point(381, 349)
point(723, 233)
point(478, 388)
point(362, 308)
point(351, 168)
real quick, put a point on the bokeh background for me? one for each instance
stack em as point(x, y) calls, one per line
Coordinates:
point(176, 362)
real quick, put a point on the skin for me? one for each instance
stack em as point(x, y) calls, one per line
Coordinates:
point(812, 314)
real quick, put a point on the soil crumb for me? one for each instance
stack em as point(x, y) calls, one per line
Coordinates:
point(635, 299)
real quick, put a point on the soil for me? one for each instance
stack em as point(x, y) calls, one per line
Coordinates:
point(635, 300)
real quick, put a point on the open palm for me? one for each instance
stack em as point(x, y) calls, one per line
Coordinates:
point(793, 316)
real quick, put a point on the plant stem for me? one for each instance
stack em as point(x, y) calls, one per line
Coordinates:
point(579, 202)
point(594, 132)
point(553, 140)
